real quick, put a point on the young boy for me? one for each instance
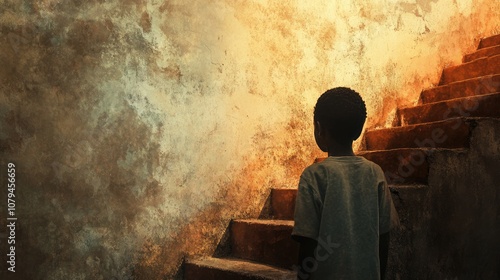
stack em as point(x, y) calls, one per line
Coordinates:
point(344, 210)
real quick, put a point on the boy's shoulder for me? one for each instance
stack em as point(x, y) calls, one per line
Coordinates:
point(322, 167)
point(344, 160)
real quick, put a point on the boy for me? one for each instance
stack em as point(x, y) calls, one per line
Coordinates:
point(344, 210)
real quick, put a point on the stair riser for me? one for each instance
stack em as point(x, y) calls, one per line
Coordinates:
point(281, 207)
point(489, 42)
point(442, 135)
point(491, 51)
point(405, 198)
point(403, 166)
point(266, 244)
point(479, 86)
point(477, 68)
point(481, 106)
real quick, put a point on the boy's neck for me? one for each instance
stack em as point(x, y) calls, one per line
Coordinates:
point(339, 150)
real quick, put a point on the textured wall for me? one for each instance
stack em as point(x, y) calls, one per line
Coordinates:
point(141, 127)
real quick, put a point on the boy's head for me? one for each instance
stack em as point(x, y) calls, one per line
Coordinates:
point(342, 113)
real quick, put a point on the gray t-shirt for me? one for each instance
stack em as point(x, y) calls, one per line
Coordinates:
point(344, 203)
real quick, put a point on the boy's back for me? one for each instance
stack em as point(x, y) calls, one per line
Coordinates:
point(344, 204)
point(344, 210)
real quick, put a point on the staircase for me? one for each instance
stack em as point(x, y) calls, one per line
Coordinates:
point(424, 140)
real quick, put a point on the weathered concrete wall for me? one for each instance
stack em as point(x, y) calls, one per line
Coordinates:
point(465, 207)
point(453, 225)
point(139, 128)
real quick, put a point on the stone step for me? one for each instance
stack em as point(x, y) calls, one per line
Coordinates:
point(266, 241)
point(484, 52)
point(233, 269)
point(402, 166)
point(476, 86)
point(477, 68)
point(404, 194)
point(489, 42)
point(280, 207)
point(442, 134)
point(487, 105)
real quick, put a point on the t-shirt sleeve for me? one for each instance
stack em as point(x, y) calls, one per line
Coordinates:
point(388, 216)
point(307, 213)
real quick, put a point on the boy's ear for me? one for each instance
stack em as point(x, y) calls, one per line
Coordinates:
point(318, 128)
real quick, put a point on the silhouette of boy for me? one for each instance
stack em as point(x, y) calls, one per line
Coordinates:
point(344, 210)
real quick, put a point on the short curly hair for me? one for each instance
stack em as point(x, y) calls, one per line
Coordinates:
point(342, 112)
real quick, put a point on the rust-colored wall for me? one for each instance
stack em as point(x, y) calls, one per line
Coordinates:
point(139, 128)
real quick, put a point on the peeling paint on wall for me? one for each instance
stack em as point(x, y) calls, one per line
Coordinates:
point(141, 127)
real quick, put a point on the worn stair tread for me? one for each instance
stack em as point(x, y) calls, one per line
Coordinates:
point(471, 87)
point(477, 68)
point(489, 41)
point(230, 268)
point(440, 134)
point(265, 241)
point(481, 53)
point(486, 105)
